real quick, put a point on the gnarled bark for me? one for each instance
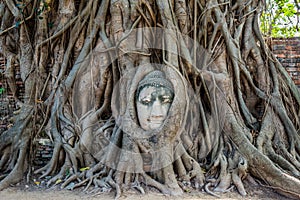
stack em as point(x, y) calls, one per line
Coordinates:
point(235, 111)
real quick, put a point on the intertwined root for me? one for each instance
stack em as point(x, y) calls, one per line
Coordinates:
point(182, 175)
point(14, 148)
point(75, 93)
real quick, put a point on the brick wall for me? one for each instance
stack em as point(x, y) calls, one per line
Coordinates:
point(287, 51)
point(7, 101)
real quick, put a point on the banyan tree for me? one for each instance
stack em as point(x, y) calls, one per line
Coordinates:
point(168, 94)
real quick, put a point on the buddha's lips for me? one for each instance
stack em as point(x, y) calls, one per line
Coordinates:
point(156, 121)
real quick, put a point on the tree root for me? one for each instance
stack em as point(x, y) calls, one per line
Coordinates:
point(237, 181)
point(16, 139)
point(261, 166)
point(17, 173)
point(208, 190)
point(136, 185)
point(5, 156)
point(148, 181)
point(224, 179)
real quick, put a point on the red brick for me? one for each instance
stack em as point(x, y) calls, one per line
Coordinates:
point(287, 50)
point(297, 82)
point(280, 55)
point(287, 47)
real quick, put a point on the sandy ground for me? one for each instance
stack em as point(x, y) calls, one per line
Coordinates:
point(23, 192)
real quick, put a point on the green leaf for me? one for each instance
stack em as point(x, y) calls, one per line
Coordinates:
point(84, 169)
point(2, 90)
point(67, 172)
point(280, 19)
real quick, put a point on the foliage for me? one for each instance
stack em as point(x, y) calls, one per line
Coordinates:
point(281, 18)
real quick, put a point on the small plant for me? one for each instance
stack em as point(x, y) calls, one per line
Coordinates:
point(2, 90)
point(280, 18)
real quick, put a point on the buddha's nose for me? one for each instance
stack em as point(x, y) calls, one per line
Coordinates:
point(157, 110)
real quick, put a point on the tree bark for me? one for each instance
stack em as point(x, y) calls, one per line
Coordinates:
point(235, 110)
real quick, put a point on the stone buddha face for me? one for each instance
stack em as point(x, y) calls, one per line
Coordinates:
point(153, 100)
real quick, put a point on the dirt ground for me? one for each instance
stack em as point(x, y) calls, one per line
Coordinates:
point(33, 192)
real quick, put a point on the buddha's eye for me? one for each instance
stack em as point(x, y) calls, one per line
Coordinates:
point(167, 99)
point(145, 101)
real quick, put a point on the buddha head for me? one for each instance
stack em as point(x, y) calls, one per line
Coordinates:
point(154, 97)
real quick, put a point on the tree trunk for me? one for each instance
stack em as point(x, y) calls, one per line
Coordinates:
point(232, 111)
